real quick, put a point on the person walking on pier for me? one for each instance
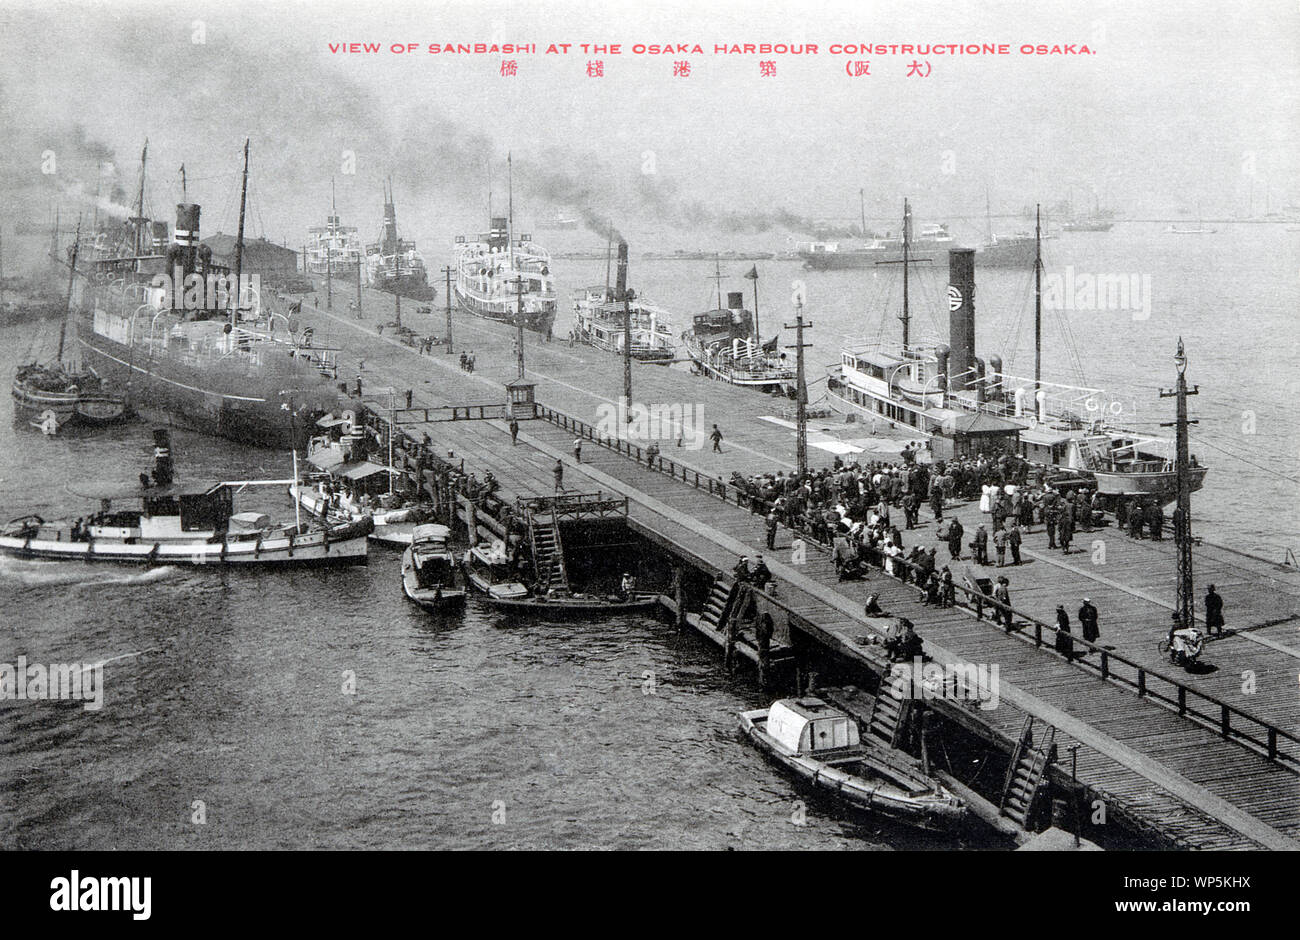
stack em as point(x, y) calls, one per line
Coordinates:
point(1000, 545)
point(1136, 513)
point(936, 499)
point(1065, 531)
point(409, 395)
point(1013, 542)
point(1002, 594)
point(947, 589)
point(651, 455)
point(514, 431)
point(577, 450)
point(1213, 612)
point(1088, 622)
point(358, 385)
point(558, 470)
point(770, 524)
point(1051, 515)
point(980, 543)
point(1156, 522)
point(955, 533)
point(1064, 641)
point(716, 437)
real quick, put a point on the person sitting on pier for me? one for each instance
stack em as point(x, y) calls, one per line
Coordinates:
point(741, 571)
point(627, 587)
point(904, 645)
point(872, 606)
point(761, 575)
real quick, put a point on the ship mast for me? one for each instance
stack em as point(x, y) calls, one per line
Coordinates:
point(139, 220)
point(1038, 303)
point(907, 261)
point(72, 275)
point(510, 214)
point(184, 186)
point(239, 241)
point(862, 207)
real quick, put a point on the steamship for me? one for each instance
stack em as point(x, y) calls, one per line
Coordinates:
point(723, 343)
point(598, 319)
point(393, 265)
point(831, 256)
point(334, 250)
point(968, 406)
point(498, 278)
point(186, 338)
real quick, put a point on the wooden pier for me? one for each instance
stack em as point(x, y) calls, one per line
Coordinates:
point(1200, 761)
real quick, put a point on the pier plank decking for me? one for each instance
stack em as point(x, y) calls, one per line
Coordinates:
point(1181, 776)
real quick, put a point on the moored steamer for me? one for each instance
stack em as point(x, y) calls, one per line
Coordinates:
point(504, 279)
point(392, 264)
point(598, 315)
point(189, 341)
point(724, 344)
point(966, 405)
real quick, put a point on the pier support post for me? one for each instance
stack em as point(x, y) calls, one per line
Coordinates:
point(733, 625)
point(679, 595)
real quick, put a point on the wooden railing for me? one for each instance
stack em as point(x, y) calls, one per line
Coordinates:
point(1231, 722)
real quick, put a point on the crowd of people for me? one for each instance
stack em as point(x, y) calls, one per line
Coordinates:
point(862, 510)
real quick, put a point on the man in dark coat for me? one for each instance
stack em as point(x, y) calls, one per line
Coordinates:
point(1213, 611)
point(1064, 642)
point(955, 533)
point(761, 574)
point(1088, 621)
point(770, 526)
point(741, 571)
point(1013, 543)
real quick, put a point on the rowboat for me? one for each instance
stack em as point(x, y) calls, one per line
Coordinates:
point(822, 745)
point(489, 573)
point(429, 570)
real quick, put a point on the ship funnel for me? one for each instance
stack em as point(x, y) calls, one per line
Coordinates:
point(961, 317)
point(162, 455)
point(620, 289)
point(735, 300)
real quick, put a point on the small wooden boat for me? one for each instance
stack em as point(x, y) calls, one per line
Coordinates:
point(429, 570)
point(822, 745)
point(394, 527)
point(565, 606)
point(489, 572)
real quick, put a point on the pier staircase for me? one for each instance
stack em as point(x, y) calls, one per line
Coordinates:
point(887, 720)
point(1025, 774)
point(717, 606)
point(548, 554)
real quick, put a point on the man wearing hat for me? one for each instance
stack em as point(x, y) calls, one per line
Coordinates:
point(1064, 642)
point(1088, 621)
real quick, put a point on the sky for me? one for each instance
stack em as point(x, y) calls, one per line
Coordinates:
point(1182, 106)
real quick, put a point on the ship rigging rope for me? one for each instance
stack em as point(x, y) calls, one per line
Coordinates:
point(1202, 442)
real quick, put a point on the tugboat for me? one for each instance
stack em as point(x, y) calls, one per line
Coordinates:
point(190, 342)
point(724, 344)
point(500, 277)
point(429, 570)
point(393, 265)
point(822, 745)
point(598, 319)
point(183, 525)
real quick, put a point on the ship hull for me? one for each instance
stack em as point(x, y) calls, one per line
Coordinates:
point(539, 321)
point(411, 286)
point(181, 396)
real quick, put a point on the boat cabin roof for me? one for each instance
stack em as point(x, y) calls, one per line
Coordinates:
point(431, 532)
point(809, 724)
